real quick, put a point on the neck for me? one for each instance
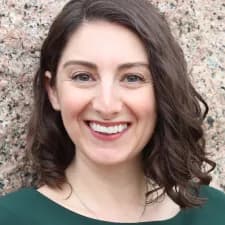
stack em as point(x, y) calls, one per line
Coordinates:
point(109, 187)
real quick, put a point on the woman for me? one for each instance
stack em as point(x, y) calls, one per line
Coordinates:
point(116, 128)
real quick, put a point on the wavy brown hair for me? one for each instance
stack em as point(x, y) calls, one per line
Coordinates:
point(174, 158)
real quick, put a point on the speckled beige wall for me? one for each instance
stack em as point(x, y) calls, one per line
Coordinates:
point(199, 25)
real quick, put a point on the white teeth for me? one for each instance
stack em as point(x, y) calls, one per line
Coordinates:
point(108, 130)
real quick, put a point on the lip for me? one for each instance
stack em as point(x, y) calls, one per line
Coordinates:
point(107, 137)
point(108, 124)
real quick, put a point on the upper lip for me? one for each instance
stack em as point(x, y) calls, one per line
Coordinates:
point(108, 124)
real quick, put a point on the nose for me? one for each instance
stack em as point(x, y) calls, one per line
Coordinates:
point(107, 101)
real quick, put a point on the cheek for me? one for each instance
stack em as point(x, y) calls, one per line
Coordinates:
point(143, 105)
point(146, 114)
point(72, 105)
point(72, 102)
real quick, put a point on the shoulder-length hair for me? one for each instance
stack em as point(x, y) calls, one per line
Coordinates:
point(174, 158)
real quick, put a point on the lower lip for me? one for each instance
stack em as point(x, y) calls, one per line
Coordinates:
point(107, 137)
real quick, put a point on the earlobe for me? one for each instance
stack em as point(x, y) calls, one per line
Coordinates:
point(51, 90)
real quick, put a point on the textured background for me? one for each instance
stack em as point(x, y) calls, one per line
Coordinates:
point(199, 26)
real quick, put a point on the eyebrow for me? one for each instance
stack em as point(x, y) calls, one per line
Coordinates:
point(94, 66)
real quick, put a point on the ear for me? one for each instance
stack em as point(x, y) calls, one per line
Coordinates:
point(52, 92)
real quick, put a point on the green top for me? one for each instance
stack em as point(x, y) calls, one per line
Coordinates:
point(29, 207)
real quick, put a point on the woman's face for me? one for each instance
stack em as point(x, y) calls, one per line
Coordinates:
point(105, 94)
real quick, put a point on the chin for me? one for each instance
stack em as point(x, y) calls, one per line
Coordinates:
point(112, 160)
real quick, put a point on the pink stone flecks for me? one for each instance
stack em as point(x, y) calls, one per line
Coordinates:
point(198, 25)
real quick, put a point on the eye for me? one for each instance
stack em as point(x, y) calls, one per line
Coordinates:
point(82, 77)
point(132, 78)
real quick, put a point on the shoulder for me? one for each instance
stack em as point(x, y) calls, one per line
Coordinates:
point(16, 198)
point(212, 211)
point(15, 207)
point(214, 197)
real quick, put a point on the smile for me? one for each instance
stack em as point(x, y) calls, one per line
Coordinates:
point(108, 129)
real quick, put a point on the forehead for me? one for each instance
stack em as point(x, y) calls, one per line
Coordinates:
point(104, 43)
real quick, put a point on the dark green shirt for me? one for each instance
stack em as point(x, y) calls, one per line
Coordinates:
point(28, 207)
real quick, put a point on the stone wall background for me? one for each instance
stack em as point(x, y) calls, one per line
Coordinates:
point(199, 26)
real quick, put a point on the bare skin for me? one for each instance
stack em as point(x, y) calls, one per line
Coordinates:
point(164, 209)
point(104, 77)
point(110, 195)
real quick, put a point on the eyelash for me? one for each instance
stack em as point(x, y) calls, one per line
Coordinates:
point(79, 75)
point(140, 78)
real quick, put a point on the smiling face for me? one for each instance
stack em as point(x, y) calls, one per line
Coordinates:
point(105, 93)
